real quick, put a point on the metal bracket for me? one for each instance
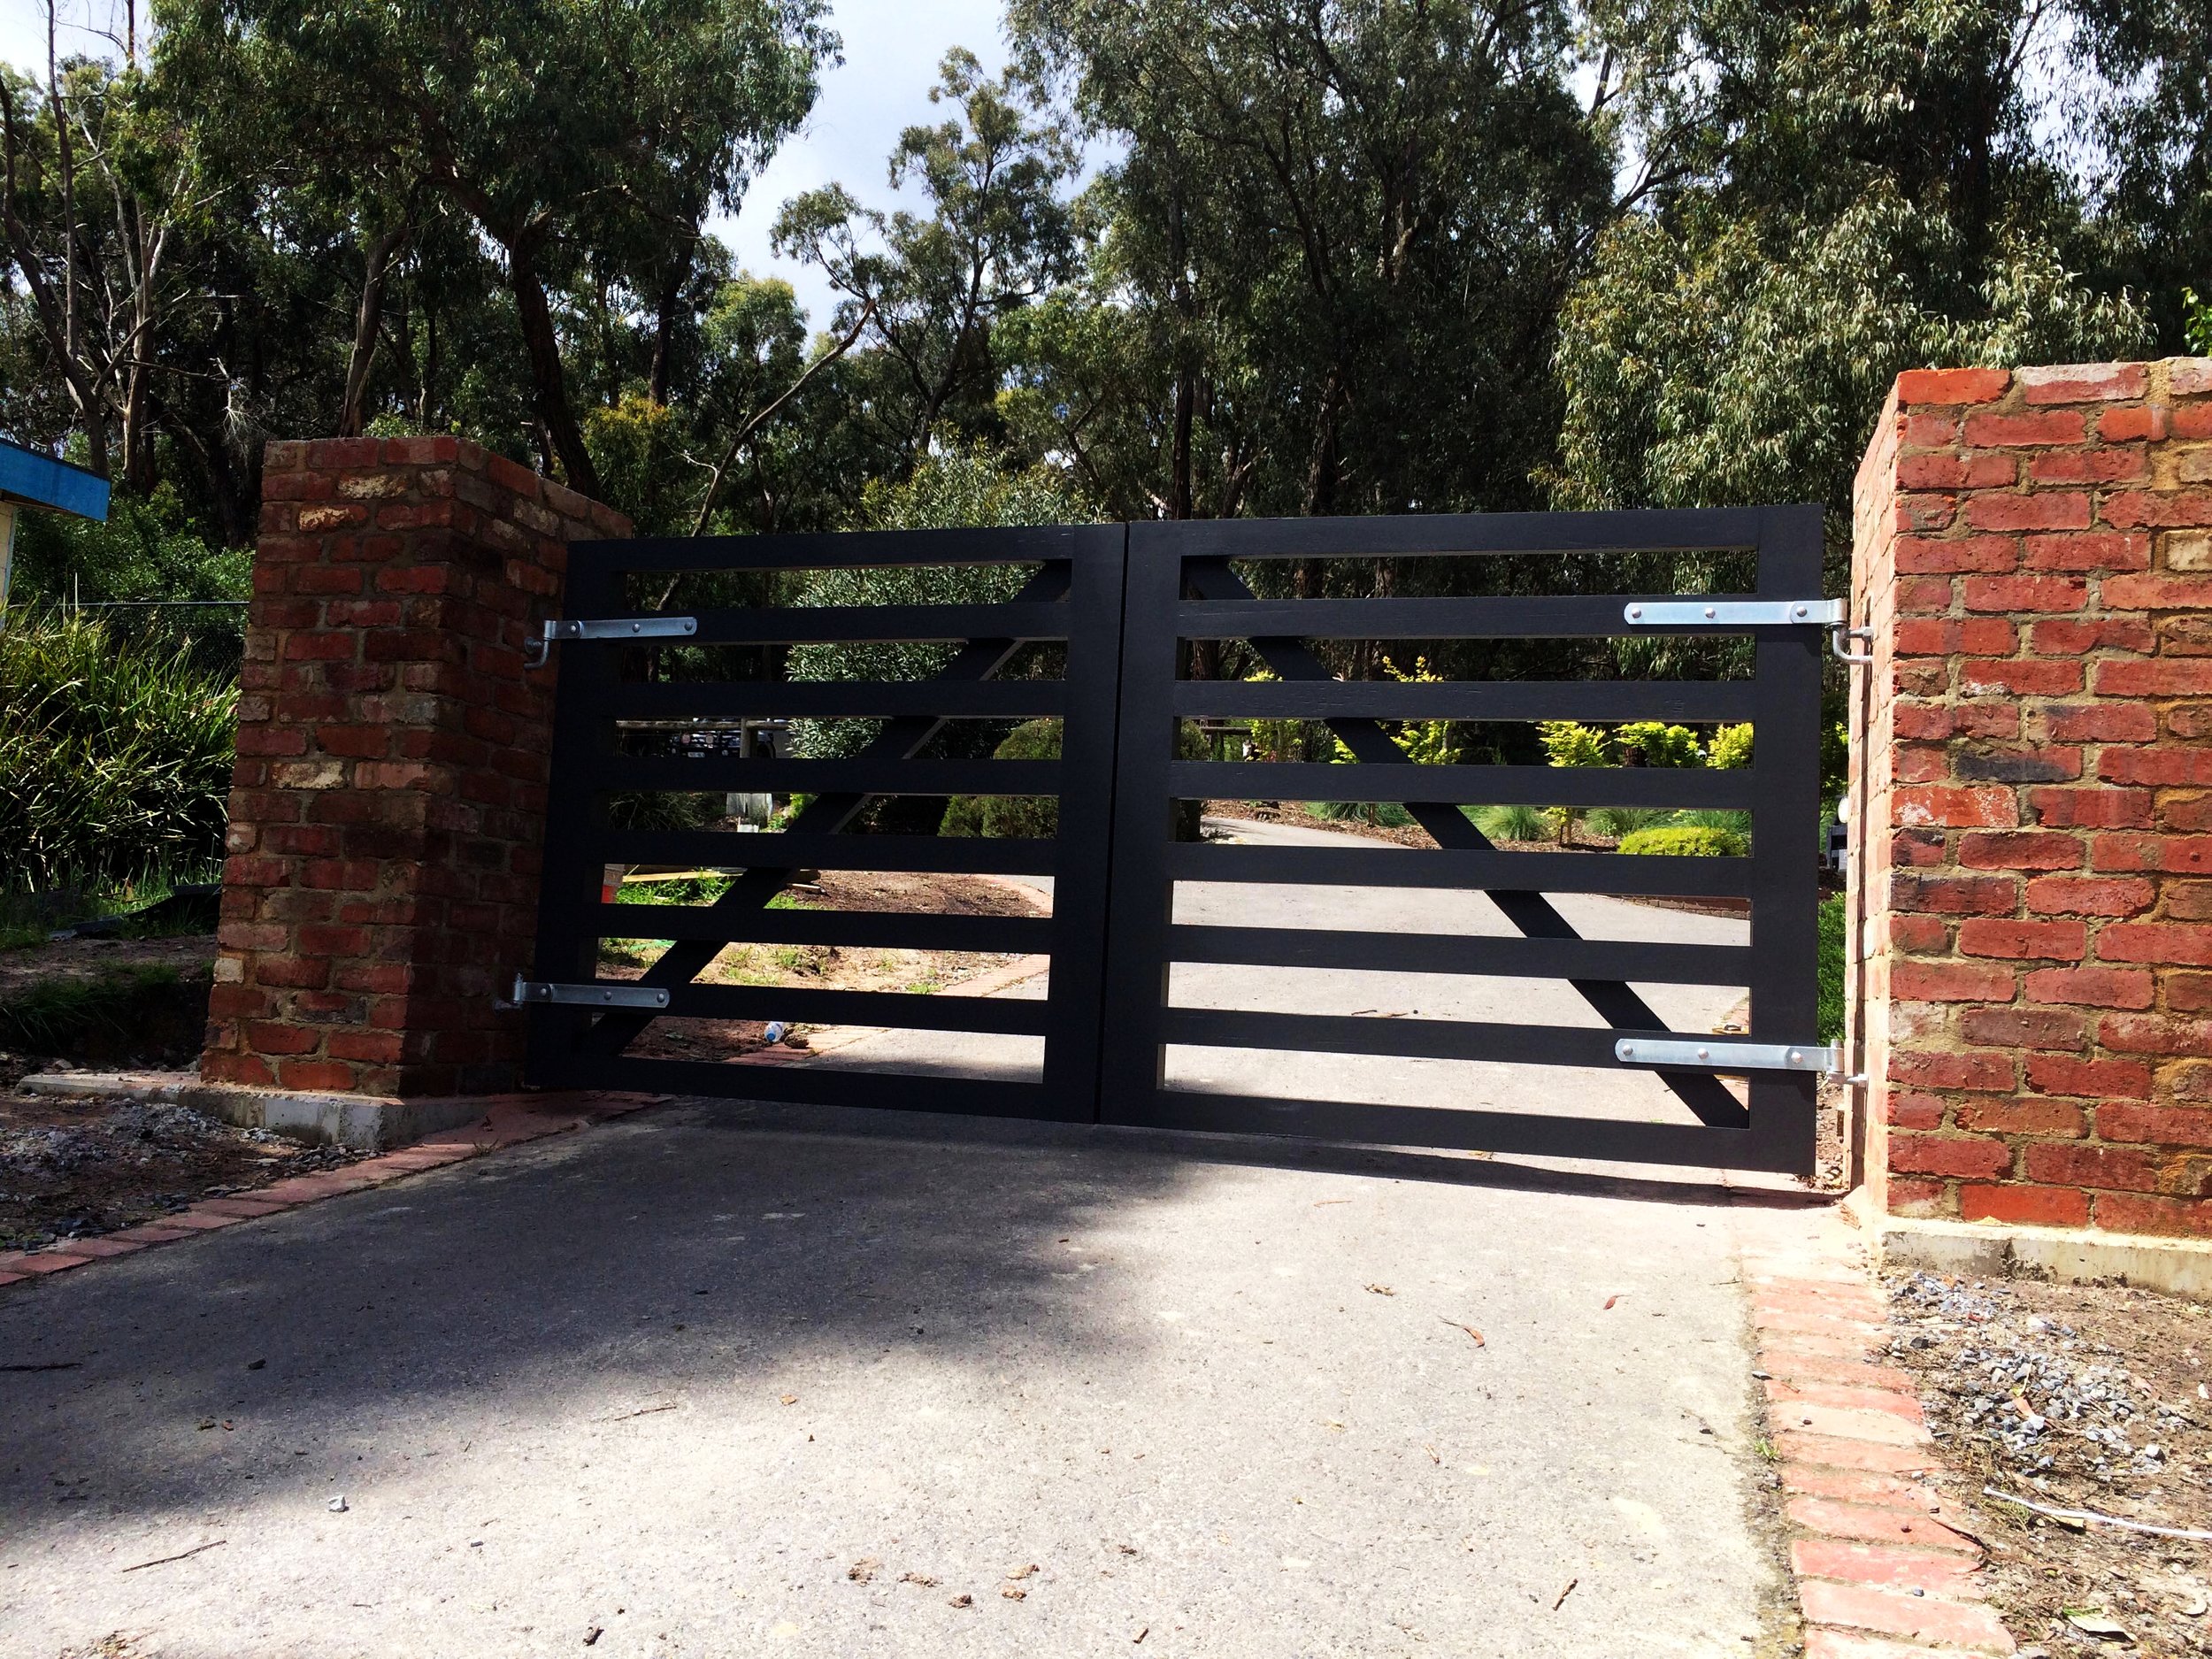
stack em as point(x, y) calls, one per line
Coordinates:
point(538, 991)
point(1735, 613)
point(1700, 1054)
point(1837, 634)
point(537, 651)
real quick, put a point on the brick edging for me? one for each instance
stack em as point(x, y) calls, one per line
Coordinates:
point(509, 1121)
point(1879, 1574)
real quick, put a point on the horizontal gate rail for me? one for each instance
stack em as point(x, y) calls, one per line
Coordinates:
point(1582, 616)
point(1642, 961)
point(829, 699)
point(870, 776)
point(1606, 700)
point(1184, 587)
point(1454, 785)
point(801, 849)
point(1488, 870)
point(863, 930)
point(1071, 592)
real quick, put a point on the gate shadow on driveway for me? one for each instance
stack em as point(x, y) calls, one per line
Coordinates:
point(698, 1360)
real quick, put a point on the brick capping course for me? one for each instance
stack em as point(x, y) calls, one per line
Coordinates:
point(2033, 552)
point(388, 799)
point(508, 1121)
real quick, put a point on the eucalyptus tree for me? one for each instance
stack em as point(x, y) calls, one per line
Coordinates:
point(563, 128)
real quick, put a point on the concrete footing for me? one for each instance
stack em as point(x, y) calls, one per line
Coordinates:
point(365, 1123)
point(2073, 1255)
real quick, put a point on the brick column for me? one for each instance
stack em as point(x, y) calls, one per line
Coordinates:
point(2033, 549)
point(389, 804)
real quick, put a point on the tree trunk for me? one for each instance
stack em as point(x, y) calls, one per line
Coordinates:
point(368, 319)
point(548, 385)
point(1323, 463)
point(664, 324)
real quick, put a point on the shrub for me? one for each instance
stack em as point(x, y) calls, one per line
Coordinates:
point(1020, 816)
point(1684, 841)
point(1617, 821)
point(1511, 823)
point(1829, 1014)
point(1656, 743)
point(1731, 750)
point(115, 754)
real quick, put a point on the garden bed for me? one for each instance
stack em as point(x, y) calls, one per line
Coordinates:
point(2080, 1397)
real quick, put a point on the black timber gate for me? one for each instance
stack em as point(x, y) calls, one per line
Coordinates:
point(1117, 608)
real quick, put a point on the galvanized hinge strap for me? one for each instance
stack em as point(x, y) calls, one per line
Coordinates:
point(611, 628)
point(541, 991)
point(1736, 613)
point(1705, 1054)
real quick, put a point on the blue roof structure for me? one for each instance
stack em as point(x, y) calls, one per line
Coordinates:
point(28, 477)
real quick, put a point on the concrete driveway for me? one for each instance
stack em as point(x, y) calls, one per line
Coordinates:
point(728, 1379)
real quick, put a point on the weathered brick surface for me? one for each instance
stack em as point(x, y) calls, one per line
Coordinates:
point(388, 801)
point(2034, 555)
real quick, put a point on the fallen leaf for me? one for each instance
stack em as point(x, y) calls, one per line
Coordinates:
point(2091, 1622)
point(1431, 1450)
point(922, 1579)
point(791, 1400)
point(1609, 1300)
point(862, 1570)
point(1469, 1329)
point(1324, 1204)
point(1561, 1598)
point(962, 1600)
point(1382, 1290)
point(1022, 1572)
point(1142, 1634)
point(1013, 1594)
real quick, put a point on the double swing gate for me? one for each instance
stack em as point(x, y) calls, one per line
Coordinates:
point(1098, 633)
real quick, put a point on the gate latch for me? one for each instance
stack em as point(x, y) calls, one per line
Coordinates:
point(1736, 613)
point(540, 991)
point(609, 629)
point(1704, 1055)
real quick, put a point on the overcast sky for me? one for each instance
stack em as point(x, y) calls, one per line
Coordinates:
point(892, 47)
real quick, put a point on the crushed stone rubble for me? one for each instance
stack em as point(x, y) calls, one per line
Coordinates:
point(2024, 1382)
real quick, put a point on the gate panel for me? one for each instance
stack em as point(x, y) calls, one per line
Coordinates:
point(1073, 598)
point(1182, 586)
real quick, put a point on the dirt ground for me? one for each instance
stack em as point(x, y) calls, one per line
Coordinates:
point(831, 967)
point(73, 1169)
point(88, 959)
point(2085, 1397)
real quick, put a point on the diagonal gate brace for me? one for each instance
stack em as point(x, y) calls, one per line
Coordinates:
point(1533, 914)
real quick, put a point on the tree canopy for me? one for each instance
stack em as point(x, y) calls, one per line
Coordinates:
point(1182, 259)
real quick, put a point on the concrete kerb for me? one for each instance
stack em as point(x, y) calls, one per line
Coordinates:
point(365, 1123)
point(2072, 1255)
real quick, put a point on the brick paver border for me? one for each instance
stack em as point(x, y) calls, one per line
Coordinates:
point(1880, 1573)
point(508, 1120)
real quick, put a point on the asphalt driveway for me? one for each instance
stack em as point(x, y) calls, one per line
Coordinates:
point(726, 1379)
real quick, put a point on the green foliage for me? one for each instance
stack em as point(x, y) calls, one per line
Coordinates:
point(1731, 748)
point(113, 754)
point(1617, 821)
point(59, 1015)
point(1511, 823)
point(1570, 743)
point(1684, 840)
point(1656, 743)
point(960, 489)
point(2197, 322)
point(1828, 1019)
point(1030, 817)
point(1732, 819)
point(1835, 758)
point(1389, 814)
point(661, 810)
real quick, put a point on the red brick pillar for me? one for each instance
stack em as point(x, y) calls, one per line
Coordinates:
point(2034, 554)
point(389, 804)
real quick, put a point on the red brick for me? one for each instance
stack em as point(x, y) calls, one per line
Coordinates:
point(1954, 896)
point(2140, 1123)
point(1917, 1154)
point(2109, 466)
point(1956, 807)
point(2091, 809)
point(1928, 933)
point(269, 1037)
point(2027, 1114)
point(1856, 1396)
point(2085, 383)
point(2129, 1168)
point(2040, 593)
point(2093, 987)
point(1952, 386)
point(2147, 1034)
point(2029, 1206)
point(1905, 1110)
point(2164, 764)
point(2180, 942)
point(1927, 556)
point(2179, 854)
point(2038, 509)
point(1983, 677)
point(2090, 896)
point(2164, 677)
point(1834, 1451)
point(2032, 941)
point(2085, 550)
point(1894, 1612)
point(2164, 509)
point(1996, 432)
point(2128, 425)
point(1938, 1572)
point(2024, 849)
point(2024, 1027)
point(1956, 471)
point(2168, 1218)
point(1945, 636)
point(1950, 982)
point(2067, 1074)
point(2075, 638)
